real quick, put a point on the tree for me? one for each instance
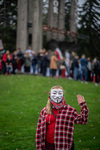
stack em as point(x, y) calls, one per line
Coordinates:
point(8, 15)
point(90, 26)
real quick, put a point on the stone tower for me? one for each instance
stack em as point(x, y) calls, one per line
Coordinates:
point(29, 22)
point(56, 19)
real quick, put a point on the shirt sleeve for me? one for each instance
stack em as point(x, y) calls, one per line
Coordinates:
point(81, 118)
point(38, 135)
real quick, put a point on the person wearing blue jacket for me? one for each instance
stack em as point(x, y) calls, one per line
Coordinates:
point(84, 70)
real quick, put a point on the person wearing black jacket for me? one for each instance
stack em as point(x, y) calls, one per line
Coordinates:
point(76, 67)
point(14, 61)
point(96, 70)
point(45, 62)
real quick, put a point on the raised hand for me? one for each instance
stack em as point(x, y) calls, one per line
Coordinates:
point(80, 99)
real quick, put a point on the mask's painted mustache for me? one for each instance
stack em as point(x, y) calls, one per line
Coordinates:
point(57, 97)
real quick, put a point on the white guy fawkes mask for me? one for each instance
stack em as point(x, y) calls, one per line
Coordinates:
point(56, 95)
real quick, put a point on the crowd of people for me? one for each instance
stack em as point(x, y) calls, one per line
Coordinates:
point(50, 63)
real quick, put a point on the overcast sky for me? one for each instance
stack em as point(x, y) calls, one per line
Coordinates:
point(81, 2)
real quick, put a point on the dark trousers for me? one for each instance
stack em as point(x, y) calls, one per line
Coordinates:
point(89, 75)
point(53, 72)
point(50, 146)
point(97, 77)
point(27, 69)
point(44, 70)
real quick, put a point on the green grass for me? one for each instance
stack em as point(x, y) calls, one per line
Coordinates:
point(23, 96)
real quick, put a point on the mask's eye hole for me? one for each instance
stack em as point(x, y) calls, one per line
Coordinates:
point(54, 93)
point(60, 93)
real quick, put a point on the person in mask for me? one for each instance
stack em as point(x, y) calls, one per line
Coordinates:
point(56, 122)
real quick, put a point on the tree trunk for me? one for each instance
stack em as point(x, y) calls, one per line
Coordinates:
point(40, 44)
point(22, 25)
point(61, 20)
point(37, 26)
point(73, 19)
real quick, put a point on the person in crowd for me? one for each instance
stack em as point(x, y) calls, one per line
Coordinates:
point(9, 68)
point(2, 52)
point(89, 67)
point(96, 69)
point(79, 70)
point(67, 63)
point(43, 53)
point(27, 63)
point(76, 67)
point(30, 51)
point(45, 63)
point(60, 59)
point(59, 54)
point(53, 64)
point(83, 62)
point(34, 61)
point(5, 56)
point(20, 59)
point(72, 56)
point(1, 66)
point(39, 61)
point(0, 55)
point(4, 59)
point(62, 68)
point(14, 61)
point(56, 121)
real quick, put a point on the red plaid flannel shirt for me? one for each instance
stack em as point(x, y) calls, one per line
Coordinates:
point(64, 126)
